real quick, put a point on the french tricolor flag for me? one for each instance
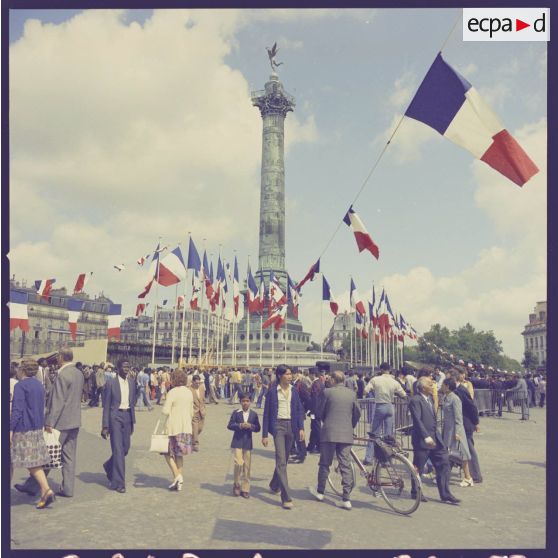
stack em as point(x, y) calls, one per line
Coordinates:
point(44, 286)
point(356, 303)
point(236, 288)
point(293, 296)
point(171, 268)
point(140, 309)
point(276, 295)
point(74, 310)
point(326, 295)
point(277, 318)
point(195, 293)
point(18, 311)
point(262, 294)
point(252, 292)
point(315, 268)
point(82, 280)
point(447, 102)
point(114, 319)
point(363, 239)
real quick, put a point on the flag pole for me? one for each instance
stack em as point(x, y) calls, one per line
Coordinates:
point(202, 296)
point(261, 336)
point(174, 323)
point(207, 331)
point(351, 334)
point(183, 324)
point(156, 305)
point(322, 329)
point(191, 318)
point(248, 320)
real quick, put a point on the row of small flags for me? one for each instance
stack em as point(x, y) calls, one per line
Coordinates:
point(19, 316)
point(452, 359)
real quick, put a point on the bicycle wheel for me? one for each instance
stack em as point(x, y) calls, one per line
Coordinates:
point(395, 479)
point(334, 478)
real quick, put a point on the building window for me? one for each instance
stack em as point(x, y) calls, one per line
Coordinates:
point(536, 342)
point(267, 335)
point(36, 334)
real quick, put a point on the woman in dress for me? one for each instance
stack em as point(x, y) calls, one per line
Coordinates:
point(179, 408)
point(28, 447)
point(453, 431)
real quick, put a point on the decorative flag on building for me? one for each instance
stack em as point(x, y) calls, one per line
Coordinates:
point(119, 267)
point(326, 295)
point(447, 102)
point(355, 301)
point(74, 310)
point(171, 268)
point(114, 319)
point(293, 296)
point(140, 309)
point(18, 310)
point(278, 318)
point(82, 280)
point(251, 293)
point(236, 288)
point(44, 286)
point(310, 275)
point(194, 261)
point(363, 239)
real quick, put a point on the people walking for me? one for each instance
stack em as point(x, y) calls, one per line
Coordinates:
point(179, 410)
point(243, 423)
point(118, 423)
point(316, 392)
point(339, 412)
point(27, 444)
point(142, 381)
point(283, 418)
point(198, 419)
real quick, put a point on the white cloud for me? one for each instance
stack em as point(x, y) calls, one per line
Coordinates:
point(469, 70)
point(404, 88)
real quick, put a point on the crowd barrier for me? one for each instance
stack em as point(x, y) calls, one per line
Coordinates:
point(495, 402)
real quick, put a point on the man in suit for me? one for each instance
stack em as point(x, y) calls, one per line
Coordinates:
point(520, 396)
point(427, 441)
point(316, 393)
point(283, 418)
point(63, 414)
point(243, 422)
point(198, 391)
point(339, 412)
point(119, 416)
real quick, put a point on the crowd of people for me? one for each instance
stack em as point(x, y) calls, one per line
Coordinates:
point(47, 396)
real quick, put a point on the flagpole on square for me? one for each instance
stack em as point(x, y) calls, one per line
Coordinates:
point(156, 303)
point(174, 322)
point(183, 323)
point(248, 322)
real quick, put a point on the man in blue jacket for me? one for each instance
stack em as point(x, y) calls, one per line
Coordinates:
point(283, 418)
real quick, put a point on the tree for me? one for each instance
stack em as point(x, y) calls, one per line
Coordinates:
point(529, 360)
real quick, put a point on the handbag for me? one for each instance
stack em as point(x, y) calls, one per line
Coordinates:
point(159, 442)
point(455, 456)
point(54, 447)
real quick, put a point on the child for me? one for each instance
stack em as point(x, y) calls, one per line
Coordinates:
point(243, 422)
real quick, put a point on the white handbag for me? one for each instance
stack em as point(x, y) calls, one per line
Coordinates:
point(159, 442)
point(54, 449)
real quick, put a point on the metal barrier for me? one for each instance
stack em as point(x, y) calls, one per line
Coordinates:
point(402, 420)
point(494, 402)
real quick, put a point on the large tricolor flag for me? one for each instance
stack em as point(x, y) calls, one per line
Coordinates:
point(447, 102)
point(277, 318)
point(114, 319)
point(207, 277)
point(152, 271)
point(326, 295)
point(18, 310)
point(74, 310)
point(194, 261)
point(44, 286)
point(252, 293)
point(171, 268)
point(355, 301)
point(363, 239)
point(315, 268)
point(293, 296)
point(236, 288)
point(82, 280)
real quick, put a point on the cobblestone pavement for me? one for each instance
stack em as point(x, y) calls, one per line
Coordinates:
point(506, 511)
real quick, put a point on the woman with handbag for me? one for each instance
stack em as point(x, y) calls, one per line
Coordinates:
point(453, 431)
point(179, 408)
point(28, 446)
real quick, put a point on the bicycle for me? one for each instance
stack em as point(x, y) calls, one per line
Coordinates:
point(391, 474)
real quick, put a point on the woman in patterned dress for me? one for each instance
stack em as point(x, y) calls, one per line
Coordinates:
point(179, 408)
point(28, 447)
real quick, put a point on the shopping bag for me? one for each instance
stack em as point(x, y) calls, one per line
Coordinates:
point(54, 448)
point(159, 442)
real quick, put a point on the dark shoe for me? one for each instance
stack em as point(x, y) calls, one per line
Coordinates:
point(121, 489)
point(108, 473)
point(477, 481)
point(22, 488)
point(245, 495)
point(451, 500)
point(236, 491)
point(46, 500)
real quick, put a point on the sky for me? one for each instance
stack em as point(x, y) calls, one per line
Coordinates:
point(127, 126)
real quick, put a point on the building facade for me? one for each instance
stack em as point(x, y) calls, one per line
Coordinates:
point(534, 333)
point(48, 321)
point(340, 330)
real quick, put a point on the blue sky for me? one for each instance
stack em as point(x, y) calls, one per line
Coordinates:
point(122, 132)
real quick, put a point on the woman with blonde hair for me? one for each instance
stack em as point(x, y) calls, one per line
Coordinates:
point(179, 408)
point(28, 447)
